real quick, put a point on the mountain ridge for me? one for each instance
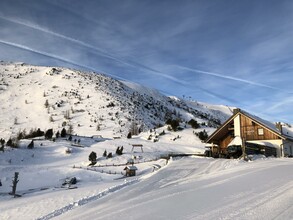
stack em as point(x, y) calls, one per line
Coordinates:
point(92, 103)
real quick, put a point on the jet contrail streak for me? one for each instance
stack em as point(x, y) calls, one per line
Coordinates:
point(23, 47)
point(36, 27)
point(228, 77)
point(55, 57)
point(97, 50)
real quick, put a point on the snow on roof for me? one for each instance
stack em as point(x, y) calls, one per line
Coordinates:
point(130, 168)
point(287, 134)
point(264, 143)
point(236, 141)
point(266, 123)
point(287, 130)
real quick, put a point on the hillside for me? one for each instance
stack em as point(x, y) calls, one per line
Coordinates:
point(100, 111)
point(88, 103)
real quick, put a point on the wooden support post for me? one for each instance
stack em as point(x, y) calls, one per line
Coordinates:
point(14, 184)
point(243, 149)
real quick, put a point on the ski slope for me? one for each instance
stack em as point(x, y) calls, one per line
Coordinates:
point(200, 188)
point(180, 188)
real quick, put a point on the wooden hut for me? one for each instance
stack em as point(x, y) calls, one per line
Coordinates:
point(250, 134)
point(130, 170)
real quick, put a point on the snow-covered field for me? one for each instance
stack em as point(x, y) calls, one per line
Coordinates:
point(42, 171)
point(101, 111)
point(200, 188)
point(180, 188)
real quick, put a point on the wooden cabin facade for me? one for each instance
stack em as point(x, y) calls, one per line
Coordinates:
point(245, 130)
point(130, 170)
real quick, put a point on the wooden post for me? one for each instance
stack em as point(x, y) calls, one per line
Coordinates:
point(243, 149)
point(14, 184)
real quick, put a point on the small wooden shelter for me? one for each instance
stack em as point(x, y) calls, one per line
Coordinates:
point(252, 135)
point(130, 170)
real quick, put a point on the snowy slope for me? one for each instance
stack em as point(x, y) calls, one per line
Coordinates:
point(42, 171)
point(47, 97)
point(178, 188)
point(184, 188)
point(197, 188)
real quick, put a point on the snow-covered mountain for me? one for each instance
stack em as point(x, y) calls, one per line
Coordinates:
point(94, 104)
point(49, 97)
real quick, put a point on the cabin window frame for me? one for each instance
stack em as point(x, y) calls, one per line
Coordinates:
point(260, 131)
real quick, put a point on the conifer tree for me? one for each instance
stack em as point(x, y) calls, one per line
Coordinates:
point(93, 158)
point(63, 132)
point(31, 145)
point(46, 103)
point(118, 150)
point(49, 134)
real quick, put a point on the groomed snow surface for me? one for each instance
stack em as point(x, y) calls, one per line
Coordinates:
point(180, 188)
point(200, 188)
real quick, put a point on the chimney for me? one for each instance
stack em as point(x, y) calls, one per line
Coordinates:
point(236, 110)
point(279, 127)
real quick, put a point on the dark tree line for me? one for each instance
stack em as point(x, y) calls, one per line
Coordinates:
point(174, 123)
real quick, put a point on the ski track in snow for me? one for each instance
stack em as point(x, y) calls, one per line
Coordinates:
point(260, 200)
point(254, 205)
point(86, 200)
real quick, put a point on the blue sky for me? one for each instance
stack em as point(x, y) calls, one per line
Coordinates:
point(236, 53)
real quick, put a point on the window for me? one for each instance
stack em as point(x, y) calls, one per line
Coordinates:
point(260, 131)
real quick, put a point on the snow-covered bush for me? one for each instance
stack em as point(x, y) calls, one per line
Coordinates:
point(68, 150)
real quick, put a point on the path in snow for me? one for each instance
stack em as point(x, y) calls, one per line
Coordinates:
point(86, 200)
point(200, 188)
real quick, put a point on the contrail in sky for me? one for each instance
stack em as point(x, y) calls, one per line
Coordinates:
point(23, 47)
point(228, 77)
point(36, 27)
point(286, 101)
point(76, 64)
point(55, 57)
point(97, 50)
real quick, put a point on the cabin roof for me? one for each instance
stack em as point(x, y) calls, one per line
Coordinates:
point(221, 131)
point(264, 143)
point(130, 168)
point(271, 126)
